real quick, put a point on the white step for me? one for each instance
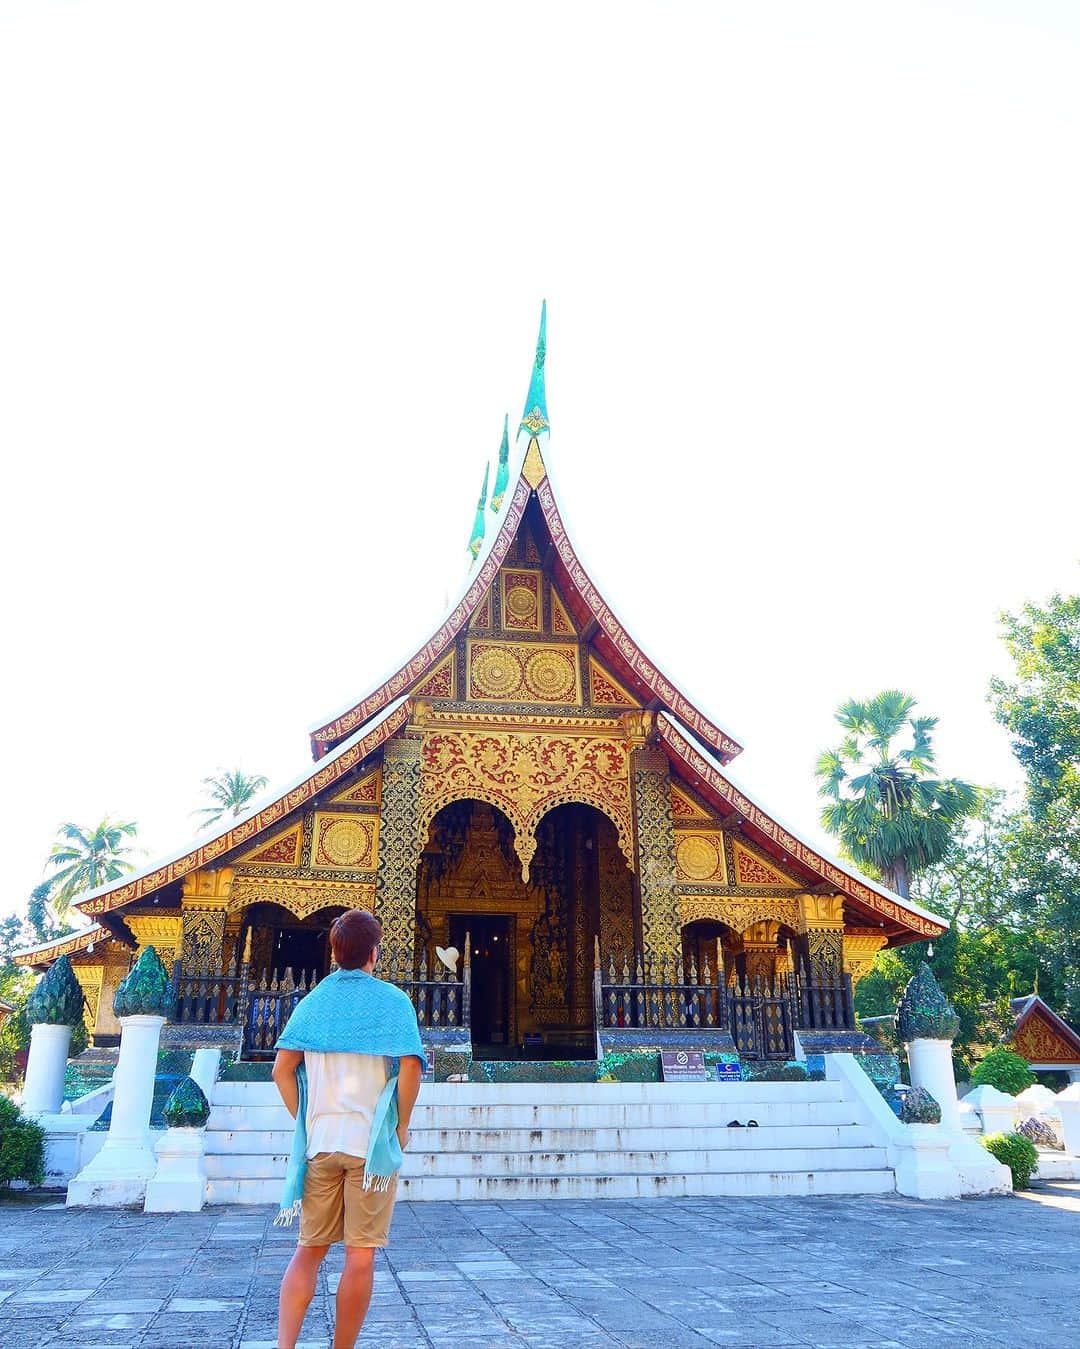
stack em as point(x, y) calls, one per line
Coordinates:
point(466, 1188)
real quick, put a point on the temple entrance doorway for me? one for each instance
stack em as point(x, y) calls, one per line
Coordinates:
point(491, 942)
point(282, 943)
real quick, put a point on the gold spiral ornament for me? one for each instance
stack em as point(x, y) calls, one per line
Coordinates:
point(549, 676)
point(698, 857)
point(346, 842)
point(521, 604)
point(496, 672)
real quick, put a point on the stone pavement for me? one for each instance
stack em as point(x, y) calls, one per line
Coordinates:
point(567, 1275)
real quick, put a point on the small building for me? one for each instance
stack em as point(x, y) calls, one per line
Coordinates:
point(532, 789)
point(1040, 1036)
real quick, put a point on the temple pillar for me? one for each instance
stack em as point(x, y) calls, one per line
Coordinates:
point(399, 852)
point(203, 912)
point(655, 836)
point(860, 949)
point(162, 931)
point(91, 978)
point(821, 924)
point(760, 951)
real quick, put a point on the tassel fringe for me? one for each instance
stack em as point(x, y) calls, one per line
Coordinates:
point(286, 1215)
point(380, 1184)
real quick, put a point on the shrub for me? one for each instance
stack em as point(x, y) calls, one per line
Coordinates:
point(1015, 1152)
point(1004, 1069)
point(80, 1039)
point(779, 1072)
point(22, 1146)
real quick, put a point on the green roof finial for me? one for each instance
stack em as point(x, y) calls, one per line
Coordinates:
point(478, 524)
point(502, 477)
point(535, 418)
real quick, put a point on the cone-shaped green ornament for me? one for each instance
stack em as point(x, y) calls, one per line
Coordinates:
point(502, 474)
point(57, 999)
point(187, 1107)
point(145, 991)
point(478, 524)
point(919, 1107)
point(534, 419)
point(924, 1012)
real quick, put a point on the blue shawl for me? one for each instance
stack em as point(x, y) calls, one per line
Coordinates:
point(351, 1012)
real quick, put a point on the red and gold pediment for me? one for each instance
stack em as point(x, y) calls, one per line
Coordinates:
point(752, 869)
point(1039, 1040)
point(605, 690)
point(483, 618)
point(440, 683)
point(283, 850)
point(524, 672)
point(685, 808)
point(562, 625)
point(365, 791)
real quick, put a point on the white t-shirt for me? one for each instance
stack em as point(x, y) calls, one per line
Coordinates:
point(343, 1090)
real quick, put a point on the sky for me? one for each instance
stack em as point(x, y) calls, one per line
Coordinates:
point(270, 277)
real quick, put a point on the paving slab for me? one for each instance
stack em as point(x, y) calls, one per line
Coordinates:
point(615, 1274)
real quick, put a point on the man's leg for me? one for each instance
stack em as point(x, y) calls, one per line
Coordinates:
point(353, 1295)
point(297, 1290)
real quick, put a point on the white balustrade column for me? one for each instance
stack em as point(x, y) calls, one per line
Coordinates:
point(43, 1091)
point(931, 1067)
point(120, 1171)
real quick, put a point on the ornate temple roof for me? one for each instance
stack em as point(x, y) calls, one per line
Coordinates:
point(698, 748)
point(42, 955)
point(1041, 1036)
point(527, 475)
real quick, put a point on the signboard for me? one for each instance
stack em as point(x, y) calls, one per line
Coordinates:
point(683, 1065)
point(729, 1072)
point(429, 1071)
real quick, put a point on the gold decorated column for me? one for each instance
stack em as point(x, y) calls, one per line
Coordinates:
point(821, 922)
point(203, 907)
point(399, 852)
point(861, 946)
point(655, 834)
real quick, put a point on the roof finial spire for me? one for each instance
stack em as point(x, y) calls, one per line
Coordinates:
point(478, 524)
point(502, 475)
point(534, 421)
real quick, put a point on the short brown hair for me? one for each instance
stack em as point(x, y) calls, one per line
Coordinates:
point(353, 937)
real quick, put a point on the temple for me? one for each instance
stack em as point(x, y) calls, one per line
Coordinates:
point(546, 826)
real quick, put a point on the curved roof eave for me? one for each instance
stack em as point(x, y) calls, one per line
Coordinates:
point(832, 869)
point(199, 853)
point(49, 951)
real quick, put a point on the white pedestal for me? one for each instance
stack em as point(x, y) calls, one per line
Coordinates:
point(1068, 1104)
point(930, 1065)
point(179, 1183)
point(996, 1109)
point(43, 1091)
point(119, 1174)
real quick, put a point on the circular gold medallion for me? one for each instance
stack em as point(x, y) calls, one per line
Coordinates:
point(521, 604)
point(697, 857)
point(549, 676)
point(495, 672)
point(347, 843)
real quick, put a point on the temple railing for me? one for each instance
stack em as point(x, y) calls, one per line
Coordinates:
point(260, 1007)
point(760, 1014)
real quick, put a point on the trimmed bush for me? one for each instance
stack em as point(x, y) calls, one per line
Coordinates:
point(1015, 1152)
point(778, 1072)
point(1004, 1069)
point(22, 1146)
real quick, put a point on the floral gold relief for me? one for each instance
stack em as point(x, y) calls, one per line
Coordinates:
point(527, 672)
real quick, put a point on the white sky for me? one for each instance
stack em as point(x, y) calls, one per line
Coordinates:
point(270, 276)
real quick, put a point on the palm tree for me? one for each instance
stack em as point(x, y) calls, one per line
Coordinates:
point(82, 859)
point(889, 814)
point(231, 793)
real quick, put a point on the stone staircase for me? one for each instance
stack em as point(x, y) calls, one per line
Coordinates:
point(581, 1141)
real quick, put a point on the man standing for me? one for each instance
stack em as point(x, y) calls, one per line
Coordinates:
point(352, 1123)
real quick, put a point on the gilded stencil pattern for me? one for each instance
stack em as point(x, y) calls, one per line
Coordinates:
point(1039, 1043)
point(606, 691)
point(366, 792)
point(656, 861)
point(399, 850)
point(283, 851)
point(751, 870)
point(699, 856)
point(561, 625)
point(526, 775)
point(203, 935)
point(826, 948)
point(349, 841)
point(503, 670)
point(303, 898)
point(738, 914)
point(794, 847)
point(520, 595)
point(439, 683)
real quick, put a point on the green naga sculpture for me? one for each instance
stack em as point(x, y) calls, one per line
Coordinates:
point(187, 1106)
point(57, 999)
point(924, 1012)
point(146, 990)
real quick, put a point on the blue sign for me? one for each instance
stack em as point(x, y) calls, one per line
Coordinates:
point(729, 1072)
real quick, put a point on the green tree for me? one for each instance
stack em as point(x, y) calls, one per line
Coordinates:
point(231, 792)
point(891, 816)
point(1040, 707)
point(84, 858)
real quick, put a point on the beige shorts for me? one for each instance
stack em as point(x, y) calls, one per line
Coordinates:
point(336, 1206)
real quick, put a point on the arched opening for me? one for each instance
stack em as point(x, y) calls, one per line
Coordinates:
point(282, 943)
point(531, 942)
